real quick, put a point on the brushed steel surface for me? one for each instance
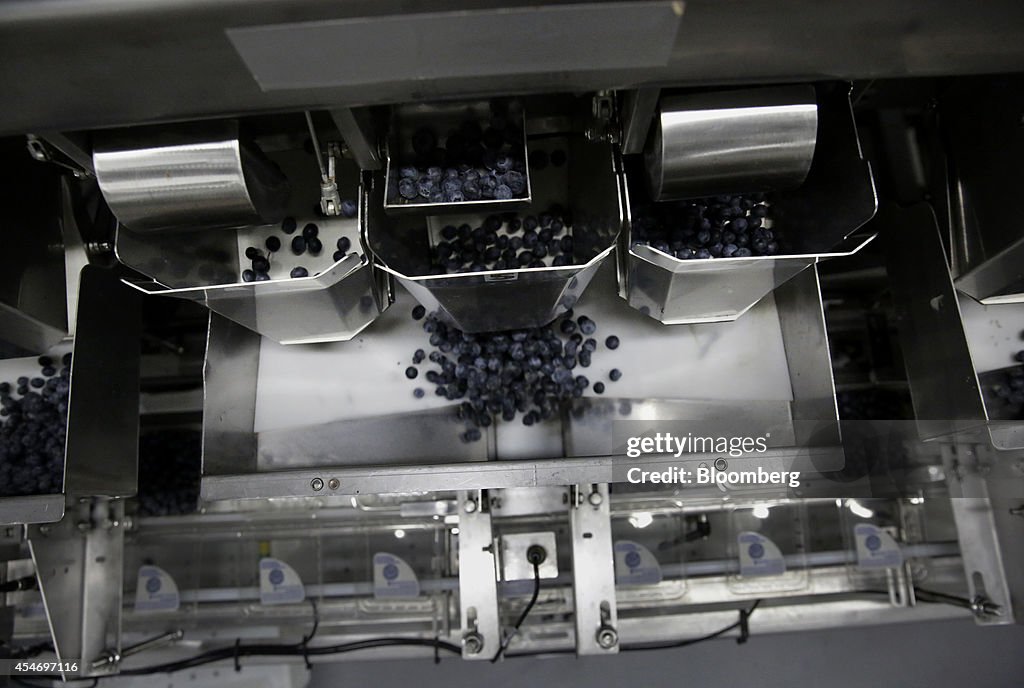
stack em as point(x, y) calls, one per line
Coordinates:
point(182, 178)
point(747, 140)
point(820, 220)
point(593, 569)
point(335, 302)
point(478, 591)
point(82, 65)
point(589, 185)
point(442, 118)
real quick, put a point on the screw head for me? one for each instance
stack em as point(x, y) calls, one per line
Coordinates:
point(473, 643)
point(470, 506)
point(607, 637)
point(721, 464)
point(595, 499)
point(334, 483)
point(317, 484)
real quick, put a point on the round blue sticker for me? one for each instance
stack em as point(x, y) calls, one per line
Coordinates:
point(756, 550)
point(632, 559)
point(276, 576)
point(390, 572)
point(872, 542)
point(153, 584)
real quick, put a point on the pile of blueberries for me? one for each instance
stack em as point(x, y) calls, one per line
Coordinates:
point(306, 241)
point(169, 471)
point(473, 164)
point(718, 227)
point(504, 374)
point(545, 241)
point(33, 427)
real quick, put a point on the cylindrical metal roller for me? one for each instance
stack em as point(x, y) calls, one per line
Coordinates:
point(186, 178)
point(738, 141)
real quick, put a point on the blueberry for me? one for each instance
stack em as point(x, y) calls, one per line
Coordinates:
point(411, 372)
point(599, 387)
point(614, 374)
point(587, 326)
point(503, 192)
point(344, 244)
point(728, 250)
point(299, 272)
point(418, 393)
point(530, 223)
point(742, 253)
point(590, 345)
point(314, 245)
point(337, 255)
point(612, 342)
point(407, 189)
point(449, 232)
point(349, 208)
point(248, 276)
point(66, 359)
point(567, 326)
point(273, 244)
point(252, 253)
point(288, 225)
point(260, 264)
point(408, 172)
point(310, 230)
point(298, 245)
point(37, 382)
point(49, 371)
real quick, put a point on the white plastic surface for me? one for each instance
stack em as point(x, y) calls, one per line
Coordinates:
point(312, 384)
point(993, 333)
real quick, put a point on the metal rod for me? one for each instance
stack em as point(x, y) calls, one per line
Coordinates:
point(316, 145)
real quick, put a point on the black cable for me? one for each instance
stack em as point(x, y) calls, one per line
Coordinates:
point(277, 650)
point(522, 617)
point(741, 624)
point(928, 596)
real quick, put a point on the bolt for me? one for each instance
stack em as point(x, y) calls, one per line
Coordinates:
point(334, 483)
point(595, 498)
point(607, 637)
point(317, 484)
point(473, 643)
point(469, 506)
point(721, 464)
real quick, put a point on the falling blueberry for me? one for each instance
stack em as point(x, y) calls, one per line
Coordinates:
point(252, 253)
point(418, 312)
point(248, 276)
point(288, 225)
point(299, 272)
point(273, 244)
point(349, 208)
point(411, 372)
